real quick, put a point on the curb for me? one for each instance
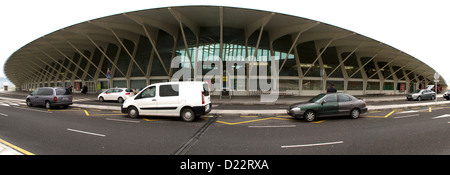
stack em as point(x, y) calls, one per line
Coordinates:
point(369, 108)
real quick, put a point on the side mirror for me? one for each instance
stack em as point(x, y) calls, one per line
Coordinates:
point(31, 94)
point(324, 101)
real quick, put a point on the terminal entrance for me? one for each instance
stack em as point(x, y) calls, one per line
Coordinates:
point(92, 87)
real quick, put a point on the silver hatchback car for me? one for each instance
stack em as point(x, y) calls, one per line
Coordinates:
point(421, 94)
point(50, 97)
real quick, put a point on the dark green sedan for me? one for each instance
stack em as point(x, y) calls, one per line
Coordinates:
point(332, 104)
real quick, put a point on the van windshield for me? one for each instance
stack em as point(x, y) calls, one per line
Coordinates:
point(205, 89)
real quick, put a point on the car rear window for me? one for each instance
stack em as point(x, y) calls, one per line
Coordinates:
point(63, 92)
point(129, 90)
point(44, 91)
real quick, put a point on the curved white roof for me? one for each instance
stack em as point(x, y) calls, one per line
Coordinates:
point(34, 57)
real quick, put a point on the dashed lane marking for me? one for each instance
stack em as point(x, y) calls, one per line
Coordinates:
point(120, 120)
point(314, 144)
point(405, 116)
point(85, 132)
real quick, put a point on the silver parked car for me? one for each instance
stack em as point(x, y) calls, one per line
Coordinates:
point(50, 97)
point(421, 94)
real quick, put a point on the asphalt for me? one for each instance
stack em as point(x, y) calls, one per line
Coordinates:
point(235, 105)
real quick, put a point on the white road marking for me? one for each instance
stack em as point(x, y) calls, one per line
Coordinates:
point(405, 112)
point(33, 110)
point(3, 104)
point(314, 144)
point(4, 114)
point(279, 126)
point(413, 115)
point(442, 116)
point(14, 104)
point(84, 132)
point(131, 121)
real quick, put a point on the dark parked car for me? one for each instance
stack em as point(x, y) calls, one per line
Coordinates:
point(422, 94)
point(50, 96)
point(333, 104)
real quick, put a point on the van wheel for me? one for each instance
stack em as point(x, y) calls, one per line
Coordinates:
point(133, 112)
point(187, 115)
point(29, 103)
point(48, 105)
point(120, 100)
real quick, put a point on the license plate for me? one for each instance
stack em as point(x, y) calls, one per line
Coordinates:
point(65, 99)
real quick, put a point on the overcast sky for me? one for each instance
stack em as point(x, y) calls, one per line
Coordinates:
point(419, 28)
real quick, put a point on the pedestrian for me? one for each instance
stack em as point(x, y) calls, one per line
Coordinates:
point(331, 89)
point(70, 88)
point(85, 89)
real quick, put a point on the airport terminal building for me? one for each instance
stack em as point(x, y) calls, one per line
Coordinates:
point(136, 49)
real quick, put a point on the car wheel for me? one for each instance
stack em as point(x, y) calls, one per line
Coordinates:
point(29, 103)
point(187, 115)
point(48, 105)
point(101, 99)
point(120, 100)
point(309, 116)
point(419, 98)
point(432, 98)
point(355, 113)
point(133, 112)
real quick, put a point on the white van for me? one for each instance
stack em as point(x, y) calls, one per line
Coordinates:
point(185, 99)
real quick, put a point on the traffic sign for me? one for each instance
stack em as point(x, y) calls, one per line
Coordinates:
point(108, 74)
point(436, 76)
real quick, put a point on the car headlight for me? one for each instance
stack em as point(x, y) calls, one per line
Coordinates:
point(415, 95)
point(296, 109)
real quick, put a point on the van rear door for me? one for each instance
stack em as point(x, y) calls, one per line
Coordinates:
point(206, 96)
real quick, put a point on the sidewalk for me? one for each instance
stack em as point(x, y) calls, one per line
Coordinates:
point(7, 150)
point(287, 100)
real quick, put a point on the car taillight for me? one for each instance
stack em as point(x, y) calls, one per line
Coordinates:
point(127, 93)
point(203, 99)
point(55, 99)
